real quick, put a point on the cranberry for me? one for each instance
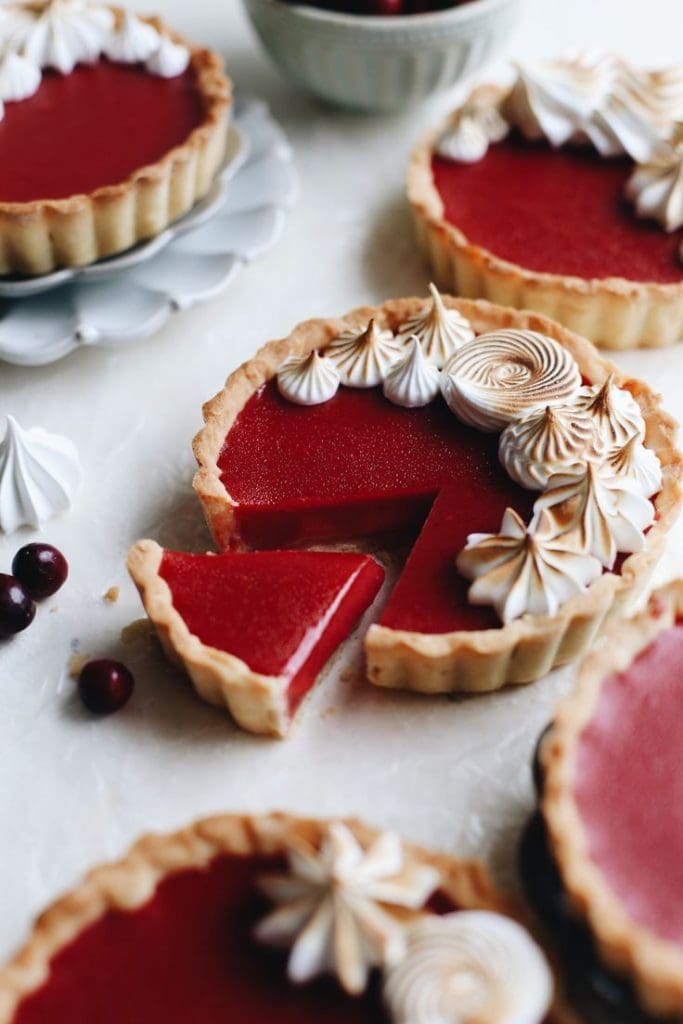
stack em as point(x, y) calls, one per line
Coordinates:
point(105, 685)
point(41, 568)
point(16, 607)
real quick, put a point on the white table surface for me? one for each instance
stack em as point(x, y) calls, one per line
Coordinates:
point(74, 789)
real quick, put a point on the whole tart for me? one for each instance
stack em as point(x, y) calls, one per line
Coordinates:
point(539, 225)
point(611, 794)
point(176, 931)
point(275, 474)
point(133, 117)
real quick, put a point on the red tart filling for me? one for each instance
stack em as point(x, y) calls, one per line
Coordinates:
point(281, 612)
point(93, 127)
point(358, 465)
point(629, 786)
point(559, 211)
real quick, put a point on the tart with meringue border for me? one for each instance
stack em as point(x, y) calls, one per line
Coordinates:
point(134, 119)
point(611, 842)
point(372, 930)
point(305, 445)
point(528, 197)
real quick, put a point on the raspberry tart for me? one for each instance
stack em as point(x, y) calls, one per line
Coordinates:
point(560, 194)
point(610, 838)
point(134, 119)
point(271, 918)
point(535, 485)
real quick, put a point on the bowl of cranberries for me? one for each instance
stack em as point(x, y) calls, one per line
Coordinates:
point(380, 55)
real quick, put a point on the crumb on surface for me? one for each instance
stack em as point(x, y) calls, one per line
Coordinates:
point(76, 663)
point(111, 596)
point(139, 629)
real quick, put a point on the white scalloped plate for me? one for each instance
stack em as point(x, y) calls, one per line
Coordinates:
point(130, 297)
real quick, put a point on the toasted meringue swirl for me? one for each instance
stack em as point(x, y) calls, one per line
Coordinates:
point(364, 357)
point(308, 380)
point(469, 966)
point(441, 331)
point(498, 376)
point(412, 381)
point(467, 139)
point(545, 441)
point(656, 187)
point(639, 464)
point(616, 413)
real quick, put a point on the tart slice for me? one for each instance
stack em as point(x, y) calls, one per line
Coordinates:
point(134, 119)
point(559, 194)
point(253, 630)
point(612, 789)
point(187, 927)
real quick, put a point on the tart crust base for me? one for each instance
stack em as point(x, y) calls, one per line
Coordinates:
point(480, 661)
point(612, 312)
point(40, 236)
point(128, 884)
point(654, 964)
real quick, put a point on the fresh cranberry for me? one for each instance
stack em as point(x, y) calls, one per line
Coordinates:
point(41, 568)
point(105, 685)
point(16, 607)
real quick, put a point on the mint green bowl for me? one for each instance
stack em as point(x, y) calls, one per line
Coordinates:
point(380, 63)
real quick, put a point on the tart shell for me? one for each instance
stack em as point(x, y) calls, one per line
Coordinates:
point(40, 236)
point(654, 964)
point(484, 660)
point(128, 884)
point(612, 312)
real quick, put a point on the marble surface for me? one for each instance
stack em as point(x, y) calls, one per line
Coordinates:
point(76, 790)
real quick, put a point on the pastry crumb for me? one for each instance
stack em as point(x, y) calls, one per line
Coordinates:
point(111, 596)
point(76, 663)
point(140, 629)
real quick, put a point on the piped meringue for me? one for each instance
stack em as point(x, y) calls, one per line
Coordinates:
point(169, 60)
point(639, 464)
point(616, 413)
point(133, 41)
point(468, 139)
point(440, 330)
point(498, 376)
point(471, 965)
point(656, 188)
point(342, 908)
point(363, 358)
point(412, 381)
point(19, 77)
point(599, 513)
point(525, 569)
point(542, 442)
point(308, 380)
point(68, 32)
point(39, 475)
point(15, 25)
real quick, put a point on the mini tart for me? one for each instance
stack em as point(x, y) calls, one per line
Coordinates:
point(210, 865)
point(40, 235)
point(480, 656)
point(625, 676)
point(613, 312)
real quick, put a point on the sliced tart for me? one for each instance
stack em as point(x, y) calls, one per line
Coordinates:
point(134, 119)
point(330, 462)
point(559, 194)
point(254, 629)
point(182, 929)
point(611, 835)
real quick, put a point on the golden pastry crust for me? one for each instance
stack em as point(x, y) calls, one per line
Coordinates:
point(40, 236)
point(128, 884)
point(482, 660)
point(257, 702)
point(655, 965)
point(612, 312)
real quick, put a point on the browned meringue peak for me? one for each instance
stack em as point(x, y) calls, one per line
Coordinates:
point(440, 331)
point(363, 358)
point(615, 411)
point(525, 569)
point(639, 464)
point(656, 187)
point(543, 442)
point(598, 513)
point(308, 380)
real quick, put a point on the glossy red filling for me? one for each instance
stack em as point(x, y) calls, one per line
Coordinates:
point(560, 211)
point(358, 465)
point(282, 612)
point(629, 786)
point(93, 127)
point(188, 956)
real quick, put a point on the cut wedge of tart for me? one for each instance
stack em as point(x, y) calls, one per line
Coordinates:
point(528, 197)
point(612, 785)
point(352, 462)
point(254, 629)
point(183, 928)
point(133, 117)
